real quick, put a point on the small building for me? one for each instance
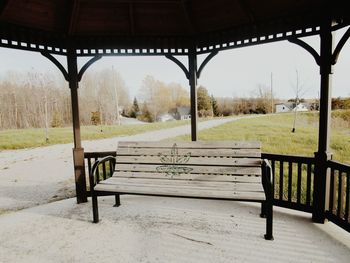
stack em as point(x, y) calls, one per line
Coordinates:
point(284, 107)
point(301, 107)
point(291, 106)
point(165, 117)
point(182, 113)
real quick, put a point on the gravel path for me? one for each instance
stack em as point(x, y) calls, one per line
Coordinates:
point(37, 176)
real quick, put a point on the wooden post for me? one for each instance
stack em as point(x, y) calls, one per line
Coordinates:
point(192, 69)
point(323, 155)
point(78, 151)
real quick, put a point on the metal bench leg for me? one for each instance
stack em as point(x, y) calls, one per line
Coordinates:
point(269, 220)
point(95, 209)
point(117, 201)
point(263, 209)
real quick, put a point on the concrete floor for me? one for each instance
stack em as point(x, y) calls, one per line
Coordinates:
point(153, 229)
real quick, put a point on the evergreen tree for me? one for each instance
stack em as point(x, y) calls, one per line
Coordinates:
point(214, 105)
point(146, 114)
point(134, 109)
point(203, 102)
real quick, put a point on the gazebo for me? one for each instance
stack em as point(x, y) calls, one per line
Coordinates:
point(188, 28)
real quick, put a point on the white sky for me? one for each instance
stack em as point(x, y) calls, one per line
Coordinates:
point(237, 72)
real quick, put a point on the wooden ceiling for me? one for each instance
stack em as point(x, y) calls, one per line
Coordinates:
point(157, 23)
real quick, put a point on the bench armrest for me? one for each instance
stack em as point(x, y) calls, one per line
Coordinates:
point(94, 173)
point(267, 178)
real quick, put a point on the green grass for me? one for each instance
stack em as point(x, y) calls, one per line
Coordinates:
point(274, 131)
point(28, 138)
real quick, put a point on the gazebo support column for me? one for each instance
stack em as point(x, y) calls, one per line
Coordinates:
point(73, 78)
point(322, 155)
point(192, 74)
point(325, 60)
point(192, 69)
point(78, 151)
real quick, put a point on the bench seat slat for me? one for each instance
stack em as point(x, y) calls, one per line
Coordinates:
point(191, 145)
point(238, 189)
point(180, 191)
point(236, 153)
point(192, 160)
point(195, 169)
point(253, 186)
point(193, 177)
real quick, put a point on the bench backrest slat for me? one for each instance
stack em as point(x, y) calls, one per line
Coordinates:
point(168, 160)
point(194, 159)
point(195, 145)
point(192, 177)
point(217, 152)
point(219, 170)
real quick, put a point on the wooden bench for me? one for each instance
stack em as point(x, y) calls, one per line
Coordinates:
point(206, 170)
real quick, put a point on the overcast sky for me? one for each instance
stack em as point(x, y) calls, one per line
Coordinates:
point(237, 72)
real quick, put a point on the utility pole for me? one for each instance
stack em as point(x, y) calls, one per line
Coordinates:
point(271, 94)
point(296, 101)
point(116, 95)
point(46, 120)
point(41, 80)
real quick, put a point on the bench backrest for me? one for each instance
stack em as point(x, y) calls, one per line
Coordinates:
point(207, 161)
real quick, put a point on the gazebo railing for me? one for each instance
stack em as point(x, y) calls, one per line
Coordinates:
point(293, 178)
point(339, 195)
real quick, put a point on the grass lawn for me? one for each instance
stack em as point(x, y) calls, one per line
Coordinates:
point(274, 131)
point(27, 138)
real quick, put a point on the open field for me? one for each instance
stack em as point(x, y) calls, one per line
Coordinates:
point(28, 138)
point(274, 131)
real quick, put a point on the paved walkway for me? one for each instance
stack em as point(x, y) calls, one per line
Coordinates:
point(36, 176)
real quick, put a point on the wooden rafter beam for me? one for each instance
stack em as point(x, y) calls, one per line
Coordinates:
point(131, 19)
point(73, 17)
point(137, 1)
point(247, 10)
point(190, 24)
point(3, 5)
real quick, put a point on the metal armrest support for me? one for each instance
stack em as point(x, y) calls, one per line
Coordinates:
point(267, 177)
point(93, 173)
point(94, 180)
point(267, 206)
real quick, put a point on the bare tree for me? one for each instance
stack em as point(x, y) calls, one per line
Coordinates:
point(299, 91)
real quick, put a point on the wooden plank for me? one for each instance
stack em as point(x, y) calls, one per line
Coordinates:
point(170, 160)
point(194, 169)
point(193, 177)
point(191, 145)
point(238, 186)
point(185, 192)
point(247, 188)
point(250, 153)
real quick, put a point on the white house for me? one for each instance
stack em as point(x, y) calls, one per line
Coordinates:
point(283, 107)
point(182, 113)
point(165, 117)
point(301, 107)
point(290, 106)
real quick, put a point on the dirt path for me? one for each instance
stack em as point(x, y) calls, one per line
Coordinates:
point(36, 176)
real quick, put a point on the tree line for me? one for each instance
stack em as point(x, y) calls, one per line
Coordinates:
point(36, 100)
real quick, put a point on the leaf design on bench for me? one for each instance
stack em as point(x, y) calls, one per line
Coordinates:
point(172, 168)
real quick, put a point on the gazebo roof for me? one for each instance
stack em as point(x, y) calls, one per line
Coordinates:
point(55, 25)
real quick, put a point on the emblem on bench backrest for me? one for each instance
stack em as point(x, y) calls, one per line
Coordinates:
point(173, 163)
